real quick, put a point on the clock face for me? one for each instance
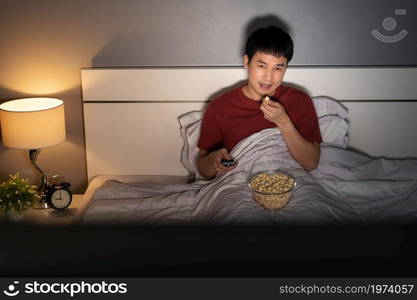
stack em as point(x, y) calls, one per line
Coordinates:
point(61, 199)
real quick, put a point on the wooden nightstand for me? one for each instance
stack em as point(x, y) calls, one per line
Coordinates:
point(49, 216)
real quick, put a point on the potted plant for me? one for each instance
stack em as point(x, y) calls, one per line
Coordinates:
point(17, 195)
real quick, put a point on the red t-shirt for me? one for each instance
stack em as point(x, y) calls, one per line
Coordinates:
point(232, 117)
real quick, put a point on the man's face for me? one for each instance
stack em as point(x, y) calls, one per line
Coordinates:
point(265, 74)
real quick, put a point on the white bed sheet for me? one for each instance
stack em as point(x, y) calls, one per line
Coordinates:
point(346, 188)
point(98, 181)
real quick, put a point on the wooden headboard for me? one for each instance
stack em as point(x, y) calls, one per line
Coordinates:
point(131, 125)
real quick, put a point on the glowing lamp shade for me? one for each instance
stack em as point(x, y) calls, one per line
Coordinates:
point(32, 123)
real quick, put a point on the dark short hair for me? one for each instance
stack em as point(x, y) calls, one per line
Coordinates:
point(271, 40)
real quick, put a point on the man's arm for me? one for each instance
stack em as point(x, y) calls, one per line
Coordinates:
point(306, 153)
point(209, 163)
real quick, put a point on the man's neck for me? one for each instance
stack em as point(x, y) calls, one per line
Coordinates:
point(247, 92)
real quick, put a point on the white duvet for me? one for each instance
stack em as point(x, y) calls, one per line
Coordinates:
point(346, 188)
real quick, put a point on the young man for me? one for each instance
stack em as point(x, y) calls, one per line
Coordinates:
point(241, 112)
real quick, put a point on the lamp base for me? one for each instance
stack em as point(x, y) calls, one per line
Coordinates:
point(41, 203)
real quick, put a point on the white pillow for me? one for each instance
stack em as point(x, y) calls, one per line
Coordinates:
point(333, 122)
point(331, 116)
point(190, 133)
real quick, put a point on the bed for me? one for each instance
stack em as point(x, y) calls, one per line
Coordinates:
point(142, 126)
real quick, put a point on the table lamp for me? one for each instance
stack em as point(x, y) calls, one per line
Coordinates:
point(33, 124)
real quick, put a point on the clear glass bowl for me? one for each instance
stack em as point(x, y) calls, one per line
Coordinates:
point(272, 189)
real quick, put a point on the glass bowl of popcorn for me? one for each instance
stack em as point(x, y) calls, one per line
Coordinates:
point(272, 189)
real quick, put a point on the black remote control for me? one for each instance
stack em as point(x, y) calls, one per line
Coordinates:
point(228, 162)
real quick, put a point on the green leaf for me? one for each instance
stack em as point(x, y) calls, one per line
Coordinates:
point(17, 194)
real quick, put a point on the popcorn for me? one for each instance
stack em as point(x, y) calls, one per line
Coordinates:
point(272, 190)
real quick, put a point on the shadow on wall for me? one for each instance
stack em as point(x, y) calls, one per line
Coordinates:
point(258, 22)
point(128, 50)
point(163, 48)
point(146, 50)
point(8, 94)
point(263, 21)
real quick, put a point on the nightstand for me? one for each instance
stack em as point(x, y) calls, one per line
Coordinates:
point(50, 216)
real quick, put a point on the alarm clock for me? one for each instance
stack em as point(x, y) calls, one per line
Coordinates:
point(59, 195)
